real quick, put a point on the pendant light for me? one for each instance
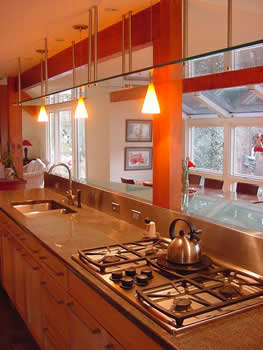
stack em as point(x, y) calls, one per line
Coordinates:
point(151, 104)
point(81, 111)
point(42, 116)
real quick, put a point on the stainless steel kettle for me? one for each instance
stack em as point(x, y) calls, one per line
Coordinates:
point(184, 248)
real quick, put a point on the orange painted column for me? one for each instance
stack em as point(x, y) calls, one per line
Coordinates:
point(15, 127)
point(167, 126)
point(3, 119)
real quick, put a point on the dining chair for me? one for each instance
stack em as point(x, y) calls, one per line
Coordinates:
point(194, 179)
point(213, 183)
point(148, 183)
point(247, 188)
point(127, 181)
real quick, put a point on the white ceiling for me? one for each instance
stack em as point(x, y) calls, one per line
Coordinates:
point(25, 24)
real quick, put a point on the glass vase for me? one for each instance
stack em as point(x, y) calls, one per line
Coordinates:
point(185, 186)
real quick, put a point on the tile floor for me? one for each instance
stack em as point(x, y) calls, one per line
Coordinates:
point(14, 334)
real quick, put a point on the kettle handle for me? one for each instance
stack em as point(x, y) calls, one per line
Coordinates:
point(172, 227)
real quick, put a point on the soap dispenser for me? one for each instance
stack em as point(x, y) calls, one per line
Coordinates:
point(150, 229)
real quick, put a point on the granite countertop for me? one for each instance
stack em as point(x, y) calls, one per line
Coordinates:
point(89, 228)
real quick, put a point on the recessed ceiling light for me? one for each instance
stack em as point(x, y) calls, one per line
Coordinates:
point(111, 9)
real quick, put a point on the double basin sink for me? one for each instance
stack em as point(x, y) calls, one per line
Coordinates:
point(34, 208)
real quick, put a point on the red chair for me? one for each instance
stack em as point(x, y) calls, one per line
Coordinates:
point(194, 179)
point(213, 183)
point(127, 181)
point(247, 188)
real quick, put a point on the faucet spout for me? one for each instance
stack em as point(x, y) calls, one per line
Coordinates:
point(70, 195)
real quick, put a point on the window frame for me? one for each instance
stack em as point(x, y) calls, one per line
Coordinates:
point(56, 109)
point(228, 165)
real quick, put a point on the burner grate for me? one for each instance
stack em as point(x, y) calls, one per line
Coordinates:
point(103, 258)
point(202, 294)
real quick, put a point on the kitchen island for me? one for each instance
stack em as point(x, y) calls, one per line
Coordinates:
point(114, 323)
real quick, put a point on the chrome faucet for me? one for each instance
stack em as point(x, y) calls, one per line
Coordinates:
point(69, 193)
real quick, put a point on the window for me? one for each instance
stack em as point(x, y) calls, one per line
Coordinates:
point(207, 147)
point(66, 142)
point(203, 66)
point(246, 162)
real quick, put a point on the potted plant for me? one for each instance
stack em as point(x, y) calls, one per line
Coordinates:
point(10, 170)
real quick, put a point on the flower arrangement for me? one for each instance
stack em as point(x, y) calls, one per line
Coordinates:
point(258, 143)
point(8, 163)
point(187, 164)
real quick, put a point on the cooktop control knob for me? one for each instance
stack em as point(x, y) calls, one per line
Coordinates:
point(141, 280)
point(126, 282)
point(116, 276)
point(131, 272)
point(148, 273)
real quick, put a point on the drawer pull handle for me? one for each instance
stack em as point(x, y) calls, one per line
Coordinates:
point(109, 347)
point(43, 283)
point(43, 257)
point(59, 273)
point(96, 331)
point(23, 239)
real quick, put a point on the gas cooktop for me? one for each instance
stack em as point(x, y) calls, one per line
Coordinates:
point(175, 296)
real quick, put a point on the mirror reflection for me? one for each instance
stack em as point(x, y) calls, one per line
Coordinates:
point(222, 136)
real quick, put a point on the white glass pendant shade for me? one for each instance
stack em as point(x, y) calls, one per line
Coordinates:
point(151, 104)
point(81, 110)
point(42, 117)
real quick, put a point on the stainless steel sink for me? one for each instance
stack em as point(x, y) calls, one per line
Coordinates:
point(41, 207)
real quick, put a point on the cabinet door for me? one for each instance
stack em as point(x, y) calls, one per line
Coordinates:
point(33, 297)
point(51, 341)
point(7, 265)
point(19, 279)
point(54, 309)
point(86, 332)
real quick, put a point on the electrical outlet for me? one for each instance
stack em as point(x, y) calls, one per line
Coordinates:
point(136, 214)
point(115, 207)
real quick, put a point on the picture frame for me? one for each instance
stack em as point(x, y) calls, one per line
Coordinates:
point(138, 130)
point(138, 158)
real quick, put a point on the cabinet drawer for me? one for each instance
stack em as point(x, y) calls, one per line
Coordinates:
point(54, 309)
point(86, 332)
point(30, 243)
point(54, 266)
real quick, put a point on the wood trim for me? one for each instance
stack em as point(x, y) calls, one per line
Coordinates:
point(208, 82)
point(136, 93)
point(109, 44)
point(15, 126)
point(167, 126)
point(3, 118)
point(224, 80)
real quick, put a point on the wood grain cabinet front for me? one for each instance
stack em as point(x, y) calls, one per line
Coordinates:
point(33, 297)
point(86, 332)
point(54, 308)
point(19, 278)
point(8, 265)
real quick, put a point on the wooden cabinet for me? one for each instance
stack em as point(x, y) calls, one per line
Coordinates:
point(85, 332)
point(19, 278)
point(7, 265)
point(33, 298)
point(62, 312)
point(54, 309)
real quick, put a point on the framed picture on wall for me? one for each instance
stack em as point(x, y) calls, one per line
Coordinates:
point(138, 158)
point(138, 130)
